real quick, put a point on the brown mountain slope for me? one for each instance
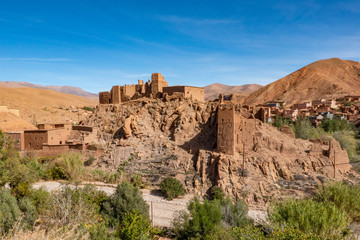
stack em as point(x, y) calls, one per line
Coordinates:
point(9, 123)
point(325, 78)
point(63, 89)
point(212, 91)
point(42, 105)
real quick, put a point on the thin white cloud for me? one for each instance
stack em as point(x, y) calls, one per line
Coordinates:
point(205, 21)
point(138, 75)
point(37, 59)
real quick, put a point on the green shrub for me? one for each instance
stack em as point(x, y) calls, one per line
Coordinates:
point(136, 180)
point(234, 214)
point(40, 198)
point(247, 233)
point(134, 226)
point(172, 188)
point(295, 234)
point(73, 165)
point(304, 130)
point(217, 193)
point(57, 173)
point(9, 211)
point(126, 198)
point(344, 196)
point(202, 219)
point(73, 207)
point(309, 216)
point(347, 141)
point(90, 160)
point(90, 109)
point(30, 213)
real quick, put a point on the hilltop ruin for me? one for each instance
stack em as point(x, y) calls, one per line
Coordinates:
point(156, 88)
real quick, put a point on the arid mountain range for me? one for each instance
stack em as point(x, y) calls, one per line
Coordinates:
point(328, 78)
point(212, 91)
point(43, 105)
point(63, 89)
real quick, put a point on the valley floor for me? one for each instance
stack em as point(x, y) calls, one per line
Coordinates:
point(163, 211)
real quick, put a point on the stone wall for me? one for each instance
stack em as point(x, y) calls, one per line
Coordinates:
point(18, 138)
point(104, 97)
point(225, 132)
point(34, 139)
point(115, 95)
point(194, 93)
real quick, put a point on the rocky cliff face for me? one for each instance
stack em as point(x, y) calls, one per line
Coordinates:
point(178, 138)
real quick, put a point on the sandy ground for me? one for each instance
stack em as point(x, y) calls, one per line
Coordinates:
point(162, 211)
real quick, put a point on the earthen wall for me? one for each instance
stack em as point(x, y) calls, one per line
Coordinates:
point(115, 95)
point(18, 138)
point(34, 139)
point(225, 133)
point(104, 97)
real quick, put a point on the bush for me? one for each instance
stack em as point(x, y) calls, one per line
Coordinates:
point(304, 130)
point(134, 226)
point(347, 141)
point(247, 233)
point(172, 188)
point(235, 214)
point(217, 193)
point(9, 211)
point(73, 165)
point(344, 196)
point(73, 207)
point(321, 218)
point(202, 219)
point(57, 173)
point(126, 198)
point(90, 160)
point(29, 213)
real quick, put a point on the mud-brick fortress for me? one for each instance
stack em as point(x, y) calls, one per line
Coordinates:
point(156, 88)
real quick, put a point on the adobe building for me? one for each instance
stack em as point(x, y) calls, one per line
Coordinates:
point(18, 139)
point(151, 89)
point(194, 93)
point(234, 130)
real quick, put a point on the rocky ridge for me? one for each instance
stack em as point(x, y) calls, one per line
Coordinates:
point(156, 138)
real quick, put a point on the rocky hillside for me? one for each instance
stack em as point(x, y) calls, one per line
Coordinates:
point(157, 139)
point(326, 78)
point(212, 91)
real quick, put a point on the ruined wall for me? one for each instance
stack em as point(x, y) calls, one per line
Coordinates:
point(34, 139)
point(104, 97)
point(244, 130)
point(157, 83)
point(18, 138)
point(194, 93)
point(57, 136)
point(225, 133)
point(171, 90)
point(127, 92)
point(115, 95)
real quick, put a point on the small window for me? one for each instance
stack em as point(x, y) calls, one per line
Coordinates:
point(60, 142)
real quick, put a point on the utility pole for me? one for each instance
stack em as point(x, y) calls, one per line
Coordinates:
point(334, 164)
point(243, 163)
point(152, 214)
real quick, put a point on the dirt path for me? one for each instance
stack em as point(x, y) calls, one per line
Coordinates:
point(163, 211)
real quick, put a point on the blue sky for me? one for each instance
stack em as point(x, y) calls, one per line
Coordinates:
point(97, 44)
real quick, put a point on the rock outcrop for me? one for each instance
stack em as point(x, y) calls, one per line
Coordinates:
point(178, 138)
